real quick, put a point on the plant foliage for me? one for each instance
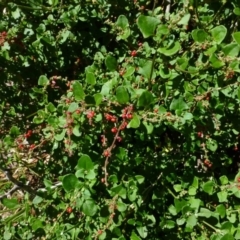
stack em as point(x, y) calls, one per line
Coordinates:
point(120, 119)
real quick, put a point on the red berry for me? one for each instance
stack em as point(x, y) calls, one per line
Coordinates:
point(20, 146)
point(114, 130)
point(113, 119)
point(32, 146)
point(29, 132)
point(119, 139)
point(106, 153)
point(124, 115)
point(108, 117)
point(26, 135)
point(78, 111)
point(129, 116)
point(206, 162)
point(200, 134)
point(139, 44)
point(133, 53)
point(90, 114)
point(123, 126)
point(238, 179)
point(69, 210)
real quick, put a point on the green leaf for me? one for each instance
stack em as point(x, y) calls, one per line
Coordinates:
point(120, 190)
point(129, 71)
point(37, 200)
point(170, 50)
point(172, 210)
point(111, 63)
point(16, 14)
point(231, 50)
point(122, 22)
point(142, 231)
point(90, 78)
point(236, 37)
point(191, 222)
point(134, 236)
point(219, 33)
point(224, 180)
point(146, 69)
point(204, 212)
point(122, 95)
point(192, 191)
point(216, 63)
point(222, 196)
point(85, 162)
point(212, 144)
point(178, 104)
point(51, 108)
point(78, 92)
point(14, 130)
point(121, 207)
point(89, 207)
point(149, 127)
point(59, 137)
point(98, 98)
point(199, 35)
point(169, 224)
point(91, 175)
point(43, 81)
point(147, 25)
point(7, 235)
point(221, 210)
point(76, 131)
point(10, 203)
point(162, 29)
point(208, 187)
point(70, 182)
point(135, 121)
point(73, 107)
point(227, 236)
point(140, 179)
point(185, 19)
point(236, 11)
point(145, 99)
point(36, 224)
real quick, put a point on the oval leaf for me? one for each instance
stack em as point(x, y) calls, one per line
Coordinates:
point(199, 35)
point(236, 37)
point(169, 51)
point(78, 91)
point(219, 33)
point(89, 208)
point(85, 162)
point(111, 63)
point(122, 95)
point(147, 25)
point(70, 182)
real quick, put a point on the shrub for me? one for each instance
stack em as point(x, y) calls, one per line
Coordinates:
point(120, 120)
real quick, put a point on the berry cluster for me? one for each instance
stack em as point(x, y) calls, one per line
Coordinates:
point(207, 163)
point(3, 36)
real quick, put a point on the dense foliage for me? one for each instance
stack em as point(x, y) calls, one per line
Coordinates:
point(120, 119)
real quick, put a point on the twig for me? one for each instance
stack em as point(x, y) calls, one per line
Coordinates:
point(11, 191)
point(20, 185)
point(167, 10)
point(110, 150)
